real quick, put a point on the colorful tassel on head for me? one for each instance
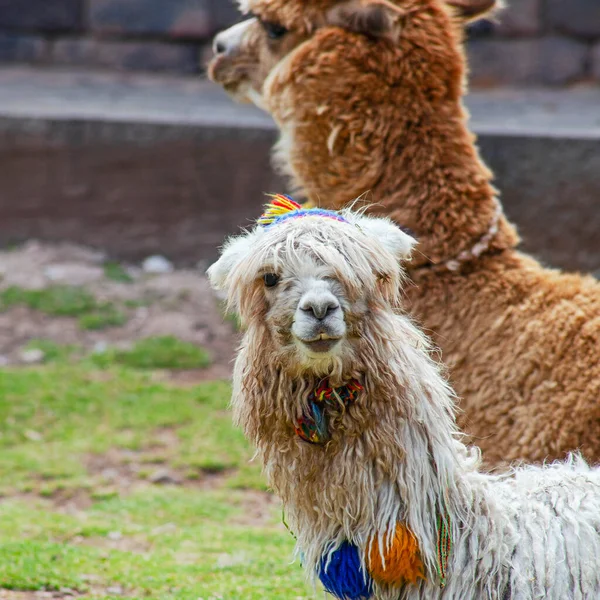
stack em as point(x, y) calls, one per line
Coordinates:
point(280, 205)
point(283, 207)
point(401, 560)
point(341, 574)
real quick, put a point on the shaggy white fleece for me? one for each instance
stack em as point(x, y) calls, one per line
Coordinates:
point(395, 455)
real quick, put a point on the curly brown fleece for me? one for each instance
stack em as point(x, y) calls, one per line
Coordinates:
point(378, 109)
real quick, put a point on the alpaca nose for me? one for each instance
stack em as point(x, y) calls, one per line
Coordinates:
point(229, 41)
point(320, 307)
point(220, 44)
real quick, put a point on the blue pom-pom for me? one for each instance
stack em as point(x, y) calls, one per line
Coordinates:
point(342, 576)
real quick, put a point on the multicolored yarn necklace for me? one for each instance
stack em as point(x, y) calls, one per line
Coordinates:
point(313, 426)
point(444, 546)
point(283, 208)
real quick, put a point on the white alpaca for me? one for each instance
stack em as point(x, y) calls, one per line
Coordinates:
point(381, 472)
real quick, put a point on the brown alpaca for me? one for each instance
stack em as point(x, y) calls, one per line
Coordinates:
point(367, 95)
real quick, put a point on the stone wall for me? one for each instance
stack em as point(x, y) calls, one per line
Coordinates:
point(538, 42)
point(128, 35)
point(535, 42)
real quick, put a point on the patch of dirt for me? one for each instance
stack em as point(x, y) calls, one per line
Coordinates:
point(60, 595)
point(121, 471)
point(114, 541)
point(72, 501)
point(196, 376)
point(124, 470)
point(259, 508)
point(178, 303)
point(63, 594)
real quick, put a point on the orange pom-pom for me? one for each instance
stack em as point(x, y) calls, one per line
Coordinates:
point(402, 560)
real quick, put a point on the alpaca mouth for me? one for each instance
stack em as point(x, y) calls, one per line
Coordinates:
point(220, 72)
point(322, 344)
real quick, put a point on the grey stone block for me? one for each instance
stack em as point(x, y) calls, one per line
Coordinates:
point(596, 61)
point(132, 189)
point(41, 15)
point(496, 61)
point(521, 17)
point(127, 56)
point(561, 60)
point(551, 61)
point(140, 189)
point(175, 18)
point(576, 17)
point(550, 188)
point(481, 29)
point(22, 48)
point(140, 165)
point(224, 13)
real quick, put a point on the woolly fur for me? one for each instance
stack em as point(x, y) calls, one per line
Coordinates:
point(395, 459)
point(379, 112)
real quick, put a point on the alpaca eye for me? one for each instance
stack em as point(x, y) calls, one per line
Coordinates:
point(270, 279)
point(274, 30)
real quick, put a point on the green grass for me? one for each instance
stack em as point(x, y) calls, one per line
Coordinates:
point(234, 319)
point(163, 352)
point(138, 303)
point(154, 541)
point(116, 272)
point(76, 411)
point(104, 317)
point(58, 300)
point(230, 316)
point(54, 352)
point(66, 301)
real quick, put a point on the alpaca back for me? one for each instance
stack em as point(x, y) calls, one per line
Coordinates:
point(532, 534)
point(522, 345)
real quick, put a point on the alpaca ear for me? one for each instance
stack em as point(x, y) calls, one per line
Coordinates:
point(375, 18)
point(470, 10)
point(234, 250)
point(388, 235)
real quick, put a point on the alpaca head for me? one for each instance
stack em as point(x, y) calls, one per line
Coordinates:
point(304, 283)
point(249, 52)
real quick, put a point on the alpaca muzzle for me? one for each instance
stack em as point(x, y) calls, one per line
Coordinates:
point(228, 42)
point(229, 67)
point(319, 321)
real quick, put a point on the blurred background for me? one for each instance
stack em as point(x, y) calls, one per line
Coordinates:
point(110, 135)
point(121, 171)
point(543, 42)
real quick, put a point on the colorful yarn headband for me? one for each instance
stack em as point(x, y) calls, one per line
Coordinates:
point(283, 208)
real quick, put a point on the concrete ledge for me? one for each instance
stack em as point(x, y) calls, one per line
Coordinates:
point(138, 165)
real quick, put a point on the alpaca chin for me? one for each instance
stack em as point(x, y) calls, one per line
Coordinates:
point(255, 97)
point(320, 364)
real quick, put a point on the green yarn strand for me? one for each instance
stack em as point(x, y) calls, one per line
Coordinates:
point(444, 546)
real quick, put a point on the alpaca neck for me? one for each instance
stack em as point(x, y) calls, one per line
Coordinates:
point(400, 430)
point(423, 171)
point(437, 186)
point(432, 471)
